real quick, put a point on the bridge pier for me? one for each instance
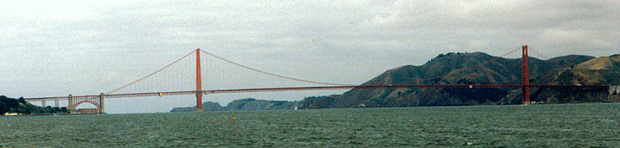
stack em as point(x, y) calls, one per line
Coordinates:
point(102, 109)
point(614, 90)
point(56, 101)
point(42, 103)
point(70, 104)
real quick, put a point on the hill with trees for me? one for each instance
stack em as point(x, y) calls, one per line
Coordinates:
point(598, 71)
point(242, 105)
point(455, 68)
point(12, 105)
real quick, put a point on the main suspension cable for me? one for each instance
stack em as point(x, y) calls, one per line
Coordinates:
point(539, 53)
point(268, 73)
point(297, 79)
point(134, 82)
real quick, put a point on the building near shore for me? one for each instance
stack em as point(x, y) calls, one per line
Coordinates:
point(11, 114)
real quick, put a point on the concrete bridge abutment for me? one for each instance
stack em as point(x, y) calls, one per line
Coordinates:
point(614, 90)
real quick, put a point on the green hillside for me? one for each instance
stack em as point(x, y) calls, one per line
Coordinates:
point(242, 105)
point(598, 71)
point(499, 71)
point(12, 105)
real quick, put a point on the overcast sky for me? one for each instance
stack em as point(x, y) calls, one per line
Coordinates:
point(56, 48)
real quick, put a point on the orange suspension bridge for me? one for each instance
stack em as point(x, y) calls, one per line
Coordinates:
point(98, 100)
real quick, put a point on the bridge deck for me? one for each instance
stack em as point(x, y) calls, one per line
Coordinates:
point(219, 91)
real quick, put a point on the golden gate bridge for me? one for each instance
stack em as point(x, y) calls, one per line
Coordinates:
point(98, 100)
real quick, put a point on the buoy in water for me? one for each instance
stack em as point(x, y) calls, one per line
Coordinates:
point(233, 117)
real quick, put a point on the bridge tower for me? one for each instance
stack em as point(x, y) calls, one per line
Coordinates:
point(525, 75)
point(198, 82)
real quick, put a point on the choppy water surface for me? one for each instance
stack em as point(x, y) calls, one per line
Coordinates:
point(580, 125)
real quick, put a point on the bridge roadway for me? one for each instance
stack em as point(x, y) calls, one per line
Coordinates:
point(309, 88)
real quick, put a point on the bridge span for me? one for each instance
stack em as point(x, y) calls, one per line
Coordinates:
point(98, 100)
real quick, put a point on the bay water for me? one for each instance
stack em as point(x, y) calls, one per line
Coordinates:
point(559, 125)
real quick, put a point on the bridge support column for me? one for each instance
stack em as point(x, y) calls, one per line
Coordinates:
point(70, 104)
point(42, 103)
point(102, 109)
point(56, 101)
point(614, 90)
point(198, 82)
point(525, 73)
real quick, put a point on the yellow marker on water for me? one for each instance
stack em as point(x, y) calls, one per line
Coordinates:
point(161, 94)
point(233, 117)
point(470, 86)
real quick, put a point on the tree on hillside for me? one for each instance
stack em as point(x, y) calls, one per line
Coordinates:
point(21, 106)
point(21, 100)
point(6, 104)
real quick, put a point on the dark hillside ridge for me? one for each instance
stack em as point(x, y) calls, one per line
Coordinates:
point(247, 104)
point(20, 106)
point(500, 71)
point(598, 71)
